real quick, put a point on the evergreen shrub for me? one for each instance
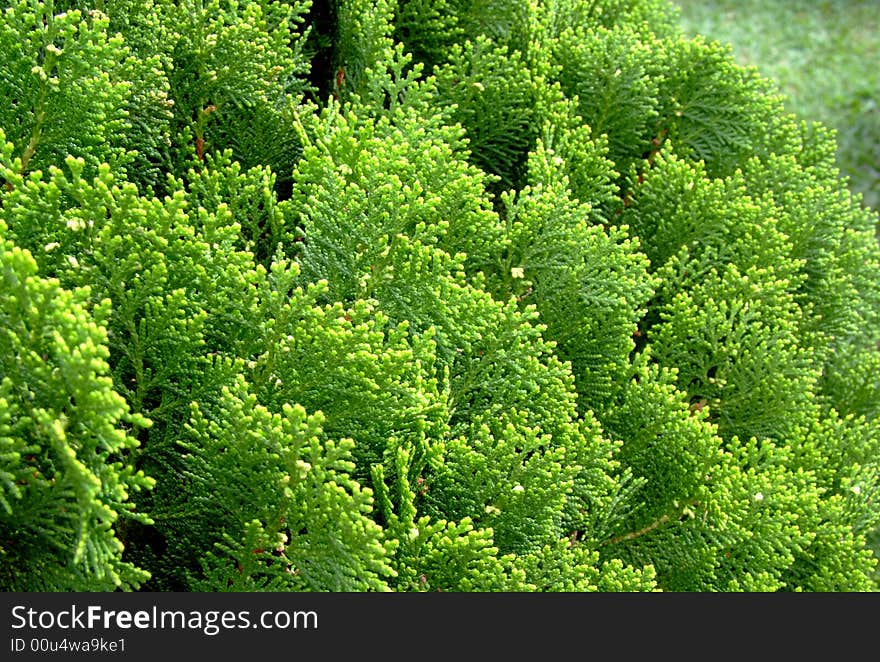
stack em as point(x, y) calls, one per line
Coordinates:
point(367, 295)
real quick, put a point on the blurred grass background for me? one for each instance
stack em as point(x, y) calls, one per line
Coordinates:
point(825, 56)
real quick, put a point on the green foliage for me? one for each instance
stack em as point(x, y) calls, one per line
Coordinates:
point(62, 82)
point(494, 95)
point(461, 296)
point(611, 78)
point(362, 182)
point(66, 439)
point(589, 283)
point(236, 72)
point(290, 515)
point(823, 54)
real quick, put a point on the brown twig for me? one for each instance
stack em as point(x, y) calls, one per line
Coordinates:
point(636, 534)
point(663, 519)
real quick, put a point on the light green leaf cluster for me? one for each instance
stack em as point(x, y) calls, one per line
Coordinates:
point(61, 79)
point(66, 438)
point(363, 182)
point(279, 501)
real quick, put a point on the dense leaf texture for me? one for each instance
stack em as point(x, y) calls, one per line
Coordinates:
point(474, 296)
